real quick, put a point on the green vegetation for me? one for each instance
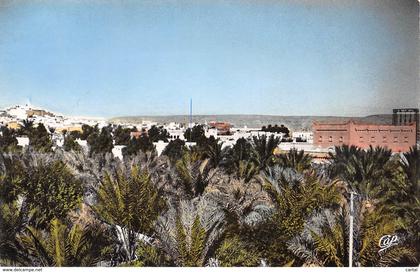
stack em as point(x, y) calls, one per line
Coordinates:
point(122, 135)
point(277, 129)
point(63, 246)
point(8, 140)
point(158, 134)
point(50, 191)
point(195, 134)
point(136, 145)
point(131, 205)
point(70, 141)
point(204, 205)
point(174, 149)
point(39, 138)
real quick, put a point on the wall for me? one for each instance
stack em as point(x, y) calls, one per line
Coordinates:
point(396, 138)
point(331, 134)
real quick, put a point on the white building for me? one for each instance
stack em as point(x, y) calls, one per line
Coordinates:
point(307, 147)
point(176, 134)
point(304, 135)
point(82, 143)
point(117, 151)
point(211, 132)
point(160, 146)
point(22, 141)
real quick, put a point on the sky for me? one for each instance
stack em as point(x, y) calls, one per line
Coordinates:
point(120, 58)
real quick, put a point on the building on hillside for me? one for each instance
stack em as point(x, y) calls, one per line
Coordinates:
point(18, 111)
point(35, 112)
point(398, 138)
point(14, 125)
point(60, 130)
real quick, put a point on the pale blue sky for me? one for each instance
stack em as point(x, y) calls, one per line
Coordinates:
point(113, 58)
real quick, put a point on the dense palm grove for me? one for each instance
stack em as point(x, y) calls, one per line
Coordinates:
point(202, 205)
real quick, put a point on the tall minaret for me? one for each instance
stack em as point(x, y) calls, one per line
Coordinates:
point(191, 124)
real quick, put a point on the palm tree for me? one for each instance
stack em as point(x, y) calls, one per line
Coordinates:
point(214, 152)
point(239, 162)
point(246, 170)
point(129, 203)
point(245, 205)
point(410, 162)
point(63, 246)
point(343, 160)
point(233, 252)
point(401, 193)
point(262, 150)
point(189, 232)
point(363, 171)
point(27, 127)
point(12, 222)
point(324, 240)
point(294, 196)
point(295, 159)
point(193, 174)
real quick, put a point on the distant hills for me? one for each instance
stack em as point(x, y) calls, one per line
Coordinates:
point(255, 121)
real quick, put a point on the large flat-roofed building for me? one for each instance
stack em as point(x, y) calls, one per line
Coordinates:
point(223, 128)
point(398, 138)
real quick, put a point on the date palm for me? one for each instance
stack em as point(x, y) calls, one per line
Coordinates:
point(295, 159)
point(215, 153)
point(63, 246)
point(12, 222)
point(262, 150)
point(324, 240)
point(193, 174)
point(295, 196)
point(238, 160)
point(190, 230)
point(130, 203)
point(27, 127)
point(245, 205)
point(410, 162)
point(362, 170)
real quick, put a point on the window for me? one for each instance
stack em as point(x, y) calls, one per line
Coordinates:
point(405, 139)
point(395, 139)
point(330, 139)
point(372, 139)
point(320, 139)
point(384, 139)
point(361, 139)
point(341, 139)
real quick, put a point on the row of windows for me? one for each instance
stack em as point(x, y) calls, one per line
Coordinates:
point(384, 139)
point(330, 139)
point(383, 130)
point(362, 139)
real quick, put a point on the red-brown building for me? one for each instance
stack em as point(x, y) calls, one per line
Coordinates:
point(223, 128)
point(396, 138)
point(137, 134)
